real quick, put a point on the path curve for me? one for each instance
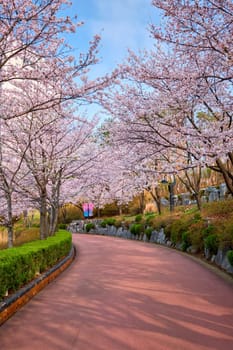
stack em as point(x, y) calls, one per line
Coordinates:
point(121, 295)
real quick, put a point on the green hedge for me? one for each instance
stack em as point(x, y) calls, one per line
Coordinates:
point(230, 257)
point(19, 265)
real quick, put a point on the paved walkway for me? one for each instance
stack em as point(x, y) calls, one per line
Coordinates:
point(121, 295)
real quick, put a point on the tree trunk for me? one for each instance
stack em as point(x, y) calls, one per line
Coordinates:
point(141, 202)
point(171, 196)
point(53, 220)
point(226, 172)
point(192, 182)
point(9, 221)
point(43, 215)
point(197, 197)
point(154, 192)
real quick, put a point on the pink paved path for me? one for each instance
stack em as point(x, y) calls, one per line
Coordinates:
point(121, 295)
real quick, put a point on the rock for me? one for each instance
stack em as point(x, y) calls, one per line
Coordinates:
point(164, 202)
point(161, 237)
point(179, 246)
point(212, 258)
point(192, 249)
point(220, 256)
point(153, 237)
point(207, 253)
point(222, 190)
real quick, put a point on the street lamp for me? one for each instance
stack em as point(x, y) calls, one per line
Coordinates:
point(171, 186)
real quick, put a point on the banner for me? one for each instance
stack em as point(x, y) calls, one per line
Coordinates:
point(88, 209)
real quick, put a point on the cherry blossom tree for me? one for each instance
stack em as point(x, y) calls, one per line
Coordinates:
point(177, 99)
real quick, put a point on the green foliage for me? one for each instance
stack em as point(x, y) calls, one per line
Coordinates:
point(196, 217)
point(110, 209)
point(196, 234)
point(220, 208)
point(148, 232)
point(110, 222)
point(103, 224)
point(178, 227)
point(186, 241)
point(149, 218)
point(211, 243)
point(138, 218)
point(226, 237)
point(62, 226)
point(207, 231)
point(89, 226)
point(19, 265)
point(68, 213)
point(230, 257)
point(118, 223)
point(136, 229)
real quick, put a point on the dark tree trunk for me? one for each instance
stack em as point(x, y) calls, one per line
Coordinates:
point(43, 215)
point(10, 222)
point(154, 192)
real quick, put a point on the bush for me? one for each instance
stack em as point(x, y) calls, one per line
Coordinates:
point(19, 265)
point(179, 227)
point(148, 232)
point(195, 231)
point(207, 231)
point(226, 237)
point(211, 243)
point(230, 257)
point(136, 229)
point(103, 224)
point(89, 226)
point(196, 217)
point(110, 222)
point(138, 218)
point(118, 223)
point(149, 218)
point(186, 241)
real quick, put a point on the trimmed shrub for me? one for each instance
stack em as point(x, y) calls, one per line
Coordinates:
point(89, 226)
point(136, 229)
point(149, 218)
point(138, 218)
point(230, 257)
point(103, 224)
point(148, 232)
point(19, 265)
point(108, 221)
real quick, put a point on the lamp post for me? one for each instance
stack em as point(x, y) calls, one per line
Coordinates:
point(171, 186)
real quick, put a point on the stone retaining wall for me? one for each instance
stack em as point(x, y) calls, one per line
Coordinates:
point(158, 237)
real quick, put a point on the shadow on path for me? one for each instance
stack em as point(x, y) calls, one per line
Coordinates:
point(126, 295)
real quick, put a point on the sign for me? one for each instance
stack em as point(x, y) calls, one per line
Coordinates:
point(88, 209)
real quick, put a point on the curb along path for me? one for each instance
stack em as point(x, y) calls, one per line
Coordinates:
point(121, 295)
point(14, 302)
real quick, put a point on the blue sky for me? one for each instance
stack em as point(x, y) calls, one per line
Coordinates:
point(121, 24)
